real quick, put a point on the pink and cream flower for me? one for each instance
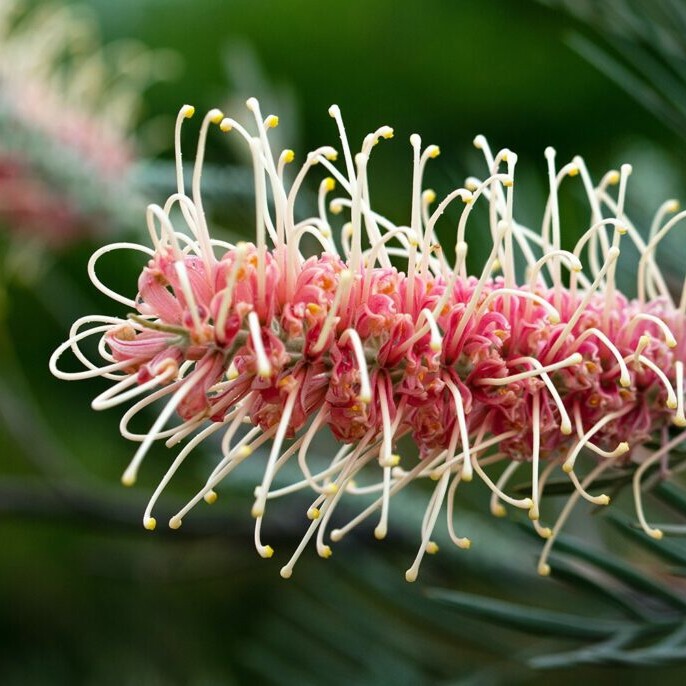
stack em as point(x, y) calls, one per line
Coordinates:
point(384, 334)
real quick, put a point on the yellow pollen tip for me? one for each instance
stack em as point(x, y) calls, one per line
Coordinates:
point(429, 196)
point(566, 428)
point(336, 208)
point(573, 171)
point(286, 572)
point(679, 420)
point(467, 476)
point(411, 576)
point(534, 514)
point(433, 151)
point(673, 206)
point(332, 156)
point(544, 569)
point(256, 511)
point(210, 497)
point(271, 122)
point(150, 523)
point(432, 547)
point(380, 532)
point(188, 111)
point(329, 183)
point(613, 178)
point(175, 522)
point(216, 116)
point(603, 499)
point(567, 467)
point(656, 534)
point(226, 125)
point(313, 513)
point(331, 489)
point(464, 543)
point(390, 461)
point(508, 183)
point(621, 230)
point(498, 510)
point(266, 552)
point(128, 479)
point(288, 156)
point(671, 403)
point(471, 186)
point(325, 552)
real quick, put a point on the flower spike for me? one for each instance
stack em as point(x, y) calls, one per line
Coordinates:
point(267, 345)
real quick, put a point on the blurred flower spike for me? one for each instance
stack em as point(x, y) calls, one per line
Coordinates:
point(67, 109)
point(497, 368)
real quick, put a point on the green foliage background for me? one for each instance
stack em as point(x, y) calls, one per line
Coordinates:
point(88, 597)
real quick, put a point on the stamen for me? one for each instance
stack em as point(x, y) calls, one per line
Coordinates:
point(553, 314)
point(264, 368)
point(460, 541)
point(534, 512)
point(269, 472)
point(568, 464)
point(570, 361)
point(129, 476)
point(593, 499)
point(497, 510)
point(99, 284)
point(111, 397)
point(223, 312)
point(214, 116)
point(638, 476)
point(196, 440)
point(644, 316)
point(679, 418)
point(532, 272)
point(432, 511)
point(543, 566)
point(365, 395)
point(186, 112)
point(612, 256)
point(624, 377)
point(345, 281)
point(187, 290)
point(464, 432)
point(386, 460)
point(264, 551)
point(671, 402)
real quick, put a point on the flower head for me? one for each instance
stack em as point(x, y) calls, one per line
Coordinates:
point(384, 334)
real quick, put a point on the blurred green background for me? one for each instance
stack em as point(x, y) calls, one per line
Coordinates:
point(87, 596)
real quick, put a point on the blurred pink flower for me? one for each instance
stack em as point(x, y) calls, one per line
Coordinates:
point(67, 109)
point(500, 368)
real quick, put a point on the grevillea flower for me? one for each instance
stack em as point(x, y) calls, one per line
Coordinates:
point(384, 335)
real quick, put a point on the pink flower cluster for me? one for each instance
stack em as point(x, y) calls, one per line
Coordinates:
point(476, 370)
